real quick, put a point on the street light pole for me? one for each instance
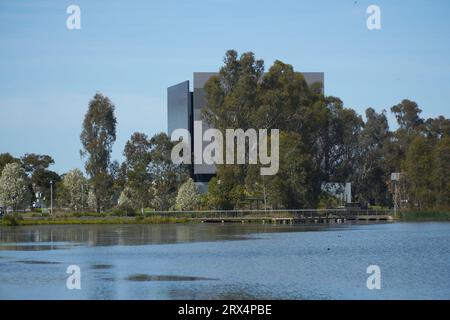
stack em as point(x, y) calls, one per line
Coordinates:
point(396, 198)
point(51, 197)
point(82, 191)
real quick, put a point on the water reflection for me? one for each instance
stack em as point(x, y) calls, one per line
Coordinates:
point(196, 261)
point(24, 247)
point(36, 238)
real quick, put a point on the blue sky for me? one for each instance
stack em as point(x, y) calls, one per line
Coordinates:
point(132, 51)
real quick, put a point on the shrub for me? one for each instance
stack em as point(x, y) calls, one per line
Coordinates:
point(12, 220)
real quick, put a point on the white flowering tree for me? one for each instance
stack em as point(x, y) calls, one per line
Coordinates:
point(188, 197)
point(92, 199)
point(76, 186)
point(127, 200)
point(14, 187)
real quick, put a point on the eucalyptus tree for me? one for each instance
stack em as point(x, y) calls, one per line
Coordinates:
point(418, 167)
point(6, 158)
point(137, 154)
point(407, 114)
point(243, 96)
point(165, 176)
point(97, 137)
point(373, 169)
point(441, 172)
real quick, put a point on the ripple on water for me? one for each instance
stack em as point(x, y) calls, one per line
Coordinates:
point(147, 277)
point(37, 262)
point(109, 279)
point(38, 246)
point(101, 266)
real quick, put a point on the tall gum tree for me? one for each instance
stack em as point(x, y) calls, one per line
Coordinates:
point(97, 137)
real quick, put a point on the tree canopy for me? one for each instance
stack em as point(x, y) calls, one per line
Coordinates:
point(97, 137)
point(321, 141)
point(14, 191)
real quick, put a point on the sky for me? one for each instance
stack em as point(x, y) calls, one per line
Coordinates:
point(131, 51)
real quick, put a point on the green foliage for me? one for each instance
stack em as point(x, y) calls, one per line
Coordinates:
point(138, 156)
point(323, 141)
point(437, 128)
point(84, 219)
point(97, 138)
point(424, 215)
point(166, 177)
point(12, 220)
point(407, 114)
point(6, 158)
point(32, 162)
point(240, 97)
point(118, 212)
point(327, 201)
point(336, 135)
point(226, 191)
point(370, 185)
point(441, 172)
point(320, 141)
point(41, 180)
point(118, 173)
point(418, 165)
point(427, 169)
point(129, 201)
point(297, 182)
point(408, 118)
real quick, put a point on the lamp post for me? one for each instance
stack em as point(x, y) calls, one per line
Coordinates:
point(395, 179)
point(51, 197)
point(82, 191)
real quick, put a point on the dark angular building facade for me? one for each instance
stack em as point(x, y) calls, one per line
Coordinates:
point(184, 107)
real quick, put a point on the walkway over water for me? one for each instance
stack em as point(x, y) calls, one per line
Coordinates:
point(283, 216)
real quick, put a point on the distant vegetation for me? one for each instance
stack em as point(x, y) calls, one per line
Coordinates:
point(427, 215)
point(320, 141)
point(19, 220)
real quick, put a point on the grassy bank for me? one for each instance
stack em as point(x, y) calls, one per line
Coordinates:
point(73, 220)
point(424, 215)
point(25, 219)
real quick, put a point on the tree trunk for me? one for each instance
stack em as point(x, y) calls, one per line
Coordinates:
point(98, 208)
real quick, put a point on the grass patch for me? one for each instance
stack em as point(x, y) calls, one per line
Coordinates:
point(73, 220)
point(11, 220)
point(424, 215)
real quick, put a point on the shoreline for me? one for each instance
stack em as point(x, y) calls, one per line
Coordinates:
point(102, 219)
point(91, 220)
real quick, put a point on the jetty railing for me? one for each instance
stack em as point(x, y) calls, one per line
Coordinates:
point(262, 214)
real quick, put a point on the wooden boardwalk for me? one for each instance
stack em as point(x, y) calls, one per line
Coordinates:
point(284, 216)
point(300, 220)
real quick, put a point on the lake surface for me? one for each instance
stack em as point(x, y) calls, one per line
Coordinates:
point(208, 261)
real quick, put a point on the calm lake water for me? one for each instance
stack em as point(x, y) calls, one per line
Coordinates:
point(204, 261)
